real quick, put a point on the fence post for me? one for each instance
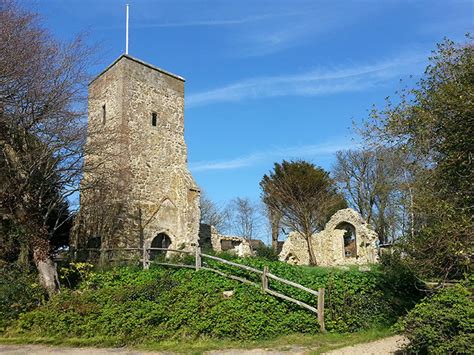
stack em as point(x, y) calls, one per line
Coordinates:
point(321, 310)
point(265, 278)
point(146, 264)
point(198, 257)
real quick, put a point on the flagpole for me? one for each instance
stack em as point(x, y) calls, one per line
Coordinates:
point(126, 31)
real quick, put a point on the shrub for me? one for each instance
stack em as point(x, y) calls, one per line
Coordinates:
point(71, 273)
point(266, 252)
point(19, 292)
point(132, 305)
point(442, 324)
point(354, 300)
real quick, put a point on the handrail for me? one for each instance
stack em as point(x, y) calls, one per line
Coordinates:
point(108, 249)
point(231, 276)
point(175, 250)
point(178, 265)
point(299, 303)
point(294, 284)
point(245, 267)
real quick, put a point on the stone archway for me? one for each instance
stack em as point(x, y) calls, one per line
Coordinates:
point(349, 239)
point(292, 259)
point(162, 240)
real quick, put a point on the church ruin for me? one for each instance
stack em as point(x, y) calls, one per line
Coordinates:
point(346, 240)
point(137, 191)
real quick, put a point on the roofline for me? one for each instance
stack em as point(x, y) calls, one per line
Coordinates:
point(140, 62)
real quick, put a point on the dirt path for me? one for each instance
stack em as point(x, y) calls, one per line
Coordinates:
point(383, 346)
point(388, 345)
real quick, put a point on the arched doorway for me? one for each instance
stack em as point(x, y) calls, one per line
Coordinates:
point(160, 241)
point(349, 237)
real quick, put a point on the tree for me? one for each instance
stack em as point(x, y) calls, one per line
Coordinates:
point(274, 216)
point(433, 124)
point(244, 217)
point(211, 214)
point(42, 130)
point(274, 220)
point(303, 195)
point(372, 181)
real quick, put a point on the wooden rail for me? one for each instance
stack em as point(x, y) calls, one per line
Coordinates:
point(265, 276)
point(245, 267)
point(291, 283)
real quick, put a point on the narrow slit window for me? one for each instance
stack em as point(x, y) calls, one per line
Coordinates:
point(154, 119)
point(103, 114)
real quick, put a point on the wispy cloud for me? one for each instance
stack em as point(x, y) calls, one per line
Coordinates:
point(209, 22)
point(312, 83)
point(295, 152)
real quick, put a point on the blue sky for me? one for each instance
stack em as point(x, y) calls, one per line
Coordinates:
point(267, 80)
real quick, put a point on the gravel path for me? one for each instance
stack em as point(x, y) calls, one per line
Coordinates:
point(388, 345)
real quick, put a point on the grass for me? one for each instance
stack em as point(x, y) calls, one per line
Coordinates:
point(315, 344)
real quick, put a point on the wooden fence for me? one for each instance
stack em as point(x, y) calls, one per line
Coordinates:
point(266, 276)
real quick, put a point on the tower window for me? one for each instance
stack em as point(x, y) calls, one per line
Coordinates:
point(154, 119)
point(103, 114)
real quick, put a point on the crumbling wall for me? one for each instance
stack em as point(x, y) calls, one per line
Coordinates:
point(209, 237)
point(329, 243)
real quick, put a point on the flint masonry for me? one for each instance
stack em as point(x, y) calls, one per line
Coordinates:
point(136, 190)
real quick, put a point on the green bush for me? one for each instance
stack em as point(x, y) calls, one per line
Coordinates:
point(129, 305)
point(442, 324)
point(266, 252)
point(133, 305)
point(19, 292)
point(354, 300)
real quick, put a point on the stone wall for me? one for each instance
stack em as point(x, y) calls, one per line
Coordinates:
point(210, 238)
point(329, 243)
point(142, 168)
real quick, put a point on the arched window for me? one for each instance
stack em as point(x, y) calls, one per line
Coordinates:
point(160, 241)
point(350, 243)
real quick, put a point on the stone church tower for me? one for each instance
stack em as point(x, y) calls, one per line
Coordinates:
point(136, 189)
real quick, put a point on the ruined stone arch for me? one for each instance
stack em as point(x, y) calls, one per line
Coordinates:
point(161, 240)
point(349, 239)
point(346, 240)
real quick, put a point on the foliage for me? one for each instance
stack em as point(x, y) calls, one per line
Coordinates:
point(433, 125)
point(19, 293)
point(42, 132)
point(72, 273)
point(136, 306)
point(442, 324)
point(372, 182)
point(303, 196)
point(161, 304)
point(354, 300)
point(266, 252)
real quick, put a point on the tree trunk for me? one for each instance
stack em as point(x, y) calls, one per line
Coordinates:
point(312, 256)
point(275, 224)
point(47, 273)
